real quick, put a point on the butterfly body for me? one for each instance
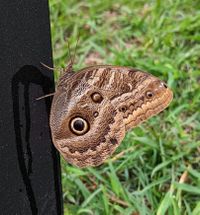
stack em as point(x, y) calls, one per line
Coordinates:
point(93, 109)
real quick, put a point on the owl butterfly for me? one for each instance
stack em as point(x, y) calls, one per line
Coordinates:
point(93, 108)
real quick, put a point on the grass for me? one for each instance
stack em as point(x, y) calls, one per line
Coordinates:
point(156, 168)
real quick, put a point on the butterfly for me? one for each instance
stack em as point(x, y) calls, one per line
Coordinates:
point(93, 108)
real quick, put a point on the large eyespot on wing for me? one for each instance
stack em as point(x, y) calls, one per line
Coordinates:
point(100, 134)
point(79, 126)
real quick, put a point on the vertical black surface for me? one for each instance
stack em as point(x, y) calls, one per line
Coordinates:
point(29, 164)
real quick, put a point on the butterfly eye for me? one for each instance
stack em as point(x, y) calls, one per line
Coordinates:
point(163, 84)
point(79, 126)
point(149, 94)
point(97, 97)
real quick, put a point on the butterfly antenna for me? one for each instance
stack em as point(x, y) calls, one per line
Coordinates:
point(73, 59)
point(69, 51)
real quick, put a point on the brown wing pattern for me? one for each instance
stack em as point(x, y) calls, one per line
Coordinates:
point(92, 110)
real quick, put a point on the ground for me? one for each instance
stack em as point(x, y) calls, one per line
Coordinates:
point(156, 168)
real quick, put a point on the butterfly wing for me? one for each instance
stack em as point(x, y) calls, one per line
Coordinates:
point(78, 101)
point(92, 110)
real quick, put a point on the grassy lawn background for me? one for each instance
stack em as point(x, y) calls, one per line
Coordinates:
point(156, 168)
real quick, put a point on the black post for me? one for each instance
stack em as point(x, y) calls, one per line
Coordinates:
point(29, 164)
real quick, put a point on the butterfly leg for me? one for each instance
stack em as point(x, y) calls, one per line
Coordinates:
point(45, 96)
point(61, 70)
